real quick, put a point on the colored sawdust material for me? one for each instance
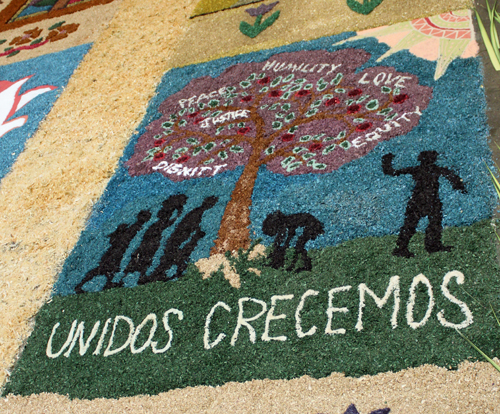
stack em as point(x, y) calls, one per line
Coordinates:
point(212, 6)
point(217, 35)
point(330, 159)
point(471, 388)
point(44, 204)
point(54, 34)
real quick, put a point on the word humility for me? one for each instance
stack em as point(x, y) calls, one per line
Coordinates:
point(136, 343)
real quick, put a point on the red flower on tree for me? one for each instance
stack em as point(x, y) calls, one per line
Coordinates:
point(159, 142)
point(246, 99)
point(332, 101)
point(275, 94)
point(353, 109)
point(317, 133)
point(399, 99)
point(314, 147)
point(355, 92)
point(365, 126)
point(303, 92)
point(159, 156)
point(243, 131)
point(194, 114)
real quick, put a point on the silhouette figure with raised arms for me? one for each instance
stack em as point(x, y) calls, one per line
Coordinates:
point(424, 202)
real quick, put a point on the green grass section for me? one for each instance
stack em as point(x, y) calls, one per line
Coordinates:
point(376, 348)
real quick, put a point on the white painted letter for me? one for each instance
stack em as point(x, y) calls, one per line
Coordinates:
point(393, 286)
point(79, 334)
point(463, 307)
point(150, 317)
point(298, 326)
point(411, 301)
point(271, 317)
point(206, 336)
point(331, 309)
point(180, 315)
point(244, 321)
point(107, 351)
point(49, 352)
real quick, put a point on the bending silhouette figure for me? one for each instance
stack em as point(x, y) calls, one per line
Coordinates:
point(424, 202)
point(284, 227)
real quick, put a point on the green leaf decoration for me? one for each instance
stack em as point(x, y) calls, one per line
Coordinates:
point(168, 132)
point(385, 89)
point(264, 89)
point(167, 149)
point(276, 81)
point(181, 150)
point(307, 156)
point(192, 141)
point(182, 122)
point(277, 125)
point(372, 105)
point(210, 161)
point(346, 145)
point(287, 161)
point(293, 129)
point(262, 75)
point(397, 91)
point(222, 155)
point(311, 112)
point(363, 8)
point(216, 113)
point(279, 115)
point(317, 137)
point(245, 84)
point(201, 105)
point(182, 111)
point(298, 150)
point(259, 26)
point(285, 87)
point(175, 156)
point(153, 151)
point(300, 81)
point(55, 26)
point(167, 124)
point(209, 146)
point(273, 107)
point(196, 151)
point(236, 149)
point(329, 149)
point(2, 41)
point(219, 130)
point(391, 117)
point(149, 157)
point(340, 90)
point(316, 104)
point(286, 107)
point(214, 103)
point(252, 76)
point(384, 111)
point(321, 87)
point(358, 120)
point(336, 80)
point(308, 86)
point(36, 41)
point(362, 98)
point(241, 124)
point(327, 96)
point(286, 95)
point(269, 150)
point(319, 166)
point(289, 78)
point(293, 166)
point(290, 117)
point(264, 106)
point(349, 102)
point(295, 88)
point(305, 138)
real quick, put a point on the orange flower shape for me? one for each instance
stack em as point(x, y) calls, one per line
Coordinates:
point(27, 37)
point(62, 32)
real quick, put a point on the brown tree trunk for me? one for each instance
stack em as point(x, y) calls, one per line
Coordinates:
point(233, 232)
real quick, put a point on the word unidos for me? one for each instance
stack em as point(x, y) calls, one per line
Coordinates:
point(223, 310)
point(179, 169)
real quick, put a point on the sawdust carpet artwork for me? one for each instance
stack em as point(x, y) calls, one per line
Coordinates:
point(301, 228)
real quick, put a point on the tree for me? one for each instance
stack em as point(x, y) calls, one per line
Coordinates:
point(296, 113)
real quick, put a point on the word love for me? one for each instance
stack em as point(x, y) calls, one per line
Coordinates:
point(126, 335)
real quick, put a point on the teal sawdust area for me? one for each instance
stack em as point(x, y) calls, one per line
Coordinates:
point(361, 310)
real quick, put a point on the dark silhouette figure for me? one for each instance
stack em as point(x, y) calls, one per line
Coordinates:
point(284, 227)
point(110, 261)
point(424, 201)
point(180, 244)
point(143, 256)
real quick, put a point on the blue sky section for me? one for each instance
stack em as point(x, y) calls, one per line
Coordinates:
point(357, 200)
point(53, 69)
